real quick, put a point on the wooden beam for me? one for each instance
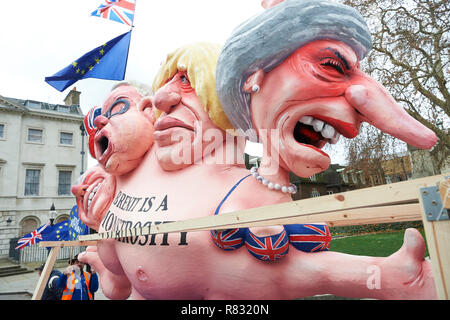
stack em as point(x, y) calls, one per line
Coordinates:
point(61, 244)
point(438, 240)
point(396, 193)
point(371, 215)
point(444, 190)
point(40, 287)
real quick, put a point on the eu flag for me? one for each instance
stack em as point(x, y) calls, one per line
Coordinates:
point(76, 226)
point(108, 61)
point(57, 232)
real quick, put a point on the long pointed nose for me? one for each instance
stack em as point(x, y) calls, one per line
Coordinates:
point(166, 98)
point(379, 108)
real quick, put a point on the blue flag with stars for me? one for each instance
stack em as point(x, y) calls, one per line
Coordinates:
point(76, 227)
point(108, 61)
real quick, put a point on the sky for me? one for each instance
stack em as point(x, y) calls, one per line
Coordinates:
point(39, 38)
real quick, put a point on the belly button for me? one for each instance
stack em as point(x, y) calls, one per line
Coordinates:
point(141, 275)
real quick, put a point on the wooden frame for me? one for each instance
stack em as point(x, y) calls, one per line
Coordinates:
point(381, 204)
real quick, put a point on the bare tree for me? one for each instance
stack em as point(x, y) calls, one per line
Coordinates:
point(410, 56)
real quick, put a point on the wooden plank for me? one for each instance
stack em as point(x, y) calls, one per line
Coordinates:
point(61, 244)
point(372, 215)
point(309, 209)
point(444, 190)
point(438, 240)
point(40, 287)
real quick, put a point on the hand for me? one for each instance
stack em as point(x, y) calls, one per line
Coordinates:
point(68, 270)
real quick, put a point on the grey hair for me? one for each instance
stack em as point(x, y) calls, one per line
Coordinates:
point(264, 41)
point(142, 88)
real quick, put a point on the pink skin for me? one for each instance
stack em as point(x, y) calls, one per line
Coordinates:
point(102, 186)
point(115, 140)
point(342, 96)
point(183, 116)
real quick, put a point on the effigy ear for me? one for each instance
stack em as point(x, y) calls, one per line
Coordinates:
point(146, 107)
point(254, 82)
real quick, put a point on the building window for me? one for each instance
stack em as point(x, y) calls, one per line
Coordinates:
point(28, 225)
point(64, 182)
point(2, 131)
point(315, 193)
point(35, 135)
point(361, 177)
point(32, 182)
point(66, 138)
point(345, 177)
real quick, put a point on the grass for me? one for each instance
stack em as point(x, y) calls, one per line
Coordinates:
point(375, 245)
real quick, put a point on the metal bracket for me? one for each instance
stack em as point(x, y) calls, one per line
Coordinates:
point(432, 204)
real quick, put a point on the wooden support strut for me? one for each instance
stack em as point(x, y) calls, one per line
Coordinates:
point(438, 239)
point(381, 204)
point(37, 295)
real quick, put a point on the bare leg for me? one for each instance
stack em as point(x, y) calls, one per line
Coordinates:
point(403, 275)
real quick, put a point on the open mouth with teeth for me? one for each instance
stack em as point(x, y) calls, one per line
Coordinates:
point(315, 132)
point(92, 194)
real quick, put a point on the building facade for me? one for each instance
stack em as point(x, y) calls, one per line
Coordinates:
point(42, 153)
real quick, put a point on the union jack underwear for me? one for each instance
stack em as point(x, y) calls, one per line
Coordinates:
point(303, 237)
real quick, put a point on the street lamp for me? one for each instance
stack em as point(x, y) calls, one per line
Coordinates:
point(83, 133)
point(52, 214)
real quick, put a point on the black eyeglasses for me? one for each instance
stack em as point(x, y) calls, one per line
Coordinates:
point(125, 107)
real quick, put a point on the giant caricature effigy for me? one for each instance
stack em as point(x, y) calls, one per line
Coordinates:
point(288, 78)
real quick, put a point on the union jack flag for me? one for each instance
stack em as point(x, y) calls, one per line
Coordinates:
point(230, 239)
point(90, 127)
point(309, 237)
point(116, 10)
point(89, 119)
point(270, 248)
point(32, 237)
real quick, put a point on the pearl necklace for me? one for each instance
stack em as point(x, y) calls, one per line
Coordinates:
point(292, 188)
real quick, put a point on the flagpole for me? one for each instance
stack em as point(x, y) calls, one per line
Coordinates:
point(134, 13)
point(131, 29)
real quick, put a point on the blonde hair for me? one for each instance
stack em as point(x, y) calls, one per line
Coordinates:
point(199, 60)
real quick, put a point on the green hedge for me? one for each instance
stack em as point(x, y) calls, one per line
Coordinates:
point(373, 228)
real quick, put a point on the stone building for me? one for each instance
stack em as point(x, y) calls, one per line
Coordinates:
point(42, 153)
point(330, 181)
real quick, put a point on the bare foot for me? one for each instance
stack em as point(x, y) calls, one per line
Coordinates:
point(406, 274)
